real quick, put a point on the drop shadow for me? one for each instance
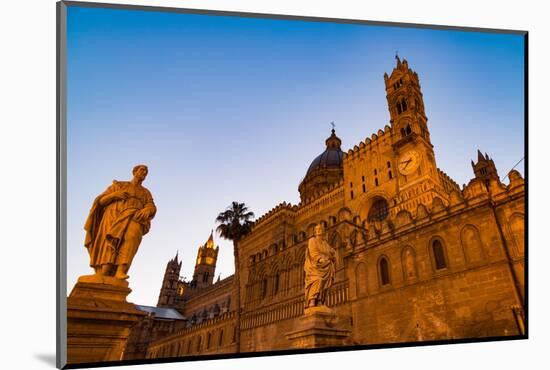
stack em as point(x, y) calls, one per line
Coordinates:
point(47, 358)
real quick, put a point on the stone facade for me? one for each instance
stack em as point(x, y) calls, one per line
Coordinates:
point(418, 257)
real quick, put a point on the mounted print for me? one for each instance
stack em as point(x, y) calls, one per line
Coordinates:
point(234, 184)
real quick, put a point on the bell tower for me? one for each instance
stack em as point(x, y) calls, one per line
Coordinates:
point(205, 267)
point(170, 289)
point(419, 179)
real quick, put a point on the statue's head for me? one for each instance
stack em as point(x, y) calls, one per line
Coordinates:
point(140, 172)
point(319, 229)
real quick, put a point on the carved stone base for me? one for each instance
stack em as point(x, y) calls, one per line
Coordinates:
point(319, 327)
point(99, 319)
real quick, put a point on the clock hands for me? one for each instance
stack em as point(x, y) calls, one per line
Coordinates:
point(407, 162)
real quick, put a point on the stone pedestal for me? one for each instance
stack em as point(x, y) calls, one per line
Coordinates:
point(318, 327)
point(99, 319)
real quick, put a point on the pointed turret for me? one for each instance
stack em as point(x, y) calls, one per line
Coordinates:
point(168, 291)
point(485, 168)
point(205, 267)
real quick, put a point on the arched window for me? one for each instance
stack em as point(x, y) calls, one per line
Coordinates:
point(220, 341)
point(408, 130)
point(263, 291)
point(379, 210)
point(276, 284)
point(384, 270)
point(439, 255)
point(208, 337)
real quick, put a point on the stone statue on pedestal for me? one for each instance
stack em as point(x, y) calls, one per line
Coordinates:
point(119, 218)
point(319, 269)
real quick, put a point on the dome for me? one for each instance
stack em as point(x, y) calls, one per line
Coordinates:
point(325, 170)
point(332, 157)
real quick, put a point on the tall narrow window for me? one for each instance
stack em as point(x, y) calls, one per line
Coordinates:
point(351, 194)
point(398, 108)
point(404, 105)
point(364, 188)
point(276, 284)
point(384, 272)
point(389, 164)
point(264, 288)
point(390, 175)
point(376, 181)
point(220, 341)
point(439, 255)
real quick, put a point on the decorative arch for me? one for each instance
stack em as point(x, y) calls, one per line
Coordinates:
point(311, 229)
point(366, 204)
point(408, 261)
point(344, 214)
point(471, 244)
point(361, 279)
point(438, 254)
point(517, 229)
point(379, 209)
point(336, 242)
point(384, 270)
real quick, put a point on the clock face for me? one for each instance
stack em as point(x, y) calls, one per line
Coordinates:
point(409, 162)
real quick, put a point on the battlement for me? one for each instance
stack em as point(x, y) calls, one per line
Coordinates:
point(273, 212)
point(447, 181)
point(368, 143)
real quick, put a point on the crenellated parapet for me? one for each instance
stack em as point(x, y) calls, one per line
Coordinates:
point(278, 210)
point(382, 137)
point(448, 183)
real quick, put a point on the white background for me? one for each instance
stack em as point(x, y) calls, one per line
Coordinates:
point(27, 152)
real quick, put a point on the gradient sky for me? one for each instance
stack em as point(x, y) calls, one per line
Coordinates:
point(230, 108)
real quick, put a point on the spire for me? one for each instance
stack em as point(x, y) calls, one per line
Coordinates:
point(210, 241)
point(479, 156)
point(397, 59)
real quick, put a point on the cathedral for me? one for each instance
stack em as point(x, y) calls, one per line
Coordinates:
point(418, 257)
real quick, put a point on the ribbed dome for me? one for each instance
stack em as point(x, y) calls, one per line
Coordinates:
point(332, 157)
point(325, 170)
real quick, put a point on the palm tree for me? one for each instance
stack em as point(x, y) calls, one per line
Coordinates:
point(234, 223)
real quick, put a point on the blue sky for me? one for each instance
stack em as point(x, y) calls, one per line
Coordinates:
point(230, 108)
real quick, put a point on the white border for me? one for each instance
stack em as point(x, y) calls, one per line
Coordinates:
point(27, 149)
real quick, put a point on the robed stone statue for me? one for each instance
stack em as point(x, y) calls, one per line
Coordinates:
point(319, 268)
point(119, 218)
